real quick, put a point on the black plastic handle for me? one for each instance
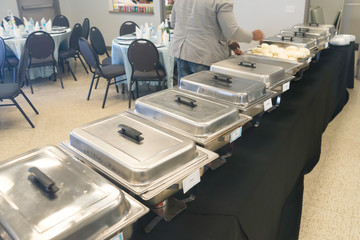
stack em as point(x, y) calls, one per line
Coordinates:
point(40, 179)
point(186, 101)
point(303, 29)
point(130, 133)
point(247, 64)
point(283, 38)
point(299, 33)
point(226, 79)
point(314, 24)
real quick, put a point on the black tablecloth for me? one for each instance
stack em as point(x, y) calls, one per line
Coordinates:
point(258, 193)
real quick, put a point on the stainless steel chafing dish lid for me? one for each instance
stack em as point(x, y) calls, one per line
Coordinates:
point(305, 33)
point(235, 90)
point(45, 194)
point(330, 29)
point(284, 41)
point(191, 114)
point(136, 149)
point(266, 73)
point(290, 67)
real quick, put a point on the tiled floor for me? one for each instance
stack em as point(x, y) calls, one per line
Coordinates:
point(332, 190)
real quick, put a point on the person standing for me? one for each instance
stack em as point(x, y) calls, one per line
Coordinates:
point(205, 32)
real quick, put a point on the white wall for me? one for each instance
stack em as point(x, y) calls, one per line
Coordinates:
point(6, 5)
point(269, 16)
point(98, 13)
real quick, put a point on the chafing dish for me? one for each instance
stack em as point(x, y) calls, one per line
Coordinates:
point(300, 42)
point(246, 95)
point(47, 194)
point(142, 157)
point(274, 77)
point(209, 123)
point(330, 29)
point(320, 35)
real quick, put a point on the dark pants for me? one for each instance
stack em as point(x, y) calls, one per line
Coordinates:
point(186, 68)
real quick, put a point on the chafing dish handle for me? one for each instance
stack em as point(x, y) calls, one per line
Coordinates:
point(186, 101)
point(223, 78)
point(287, 38)
point(130, 133)
point(40, 179)
point(299, 32)
point(247, 64)
point(314, 24)
point(303, 30)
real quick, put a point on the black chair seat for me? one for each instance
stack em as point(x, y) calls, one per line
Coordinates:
point(38, 62)
point(111, 71)
point(148, 76)
point(11, 61)
point(67, 53)
point(106, 61)
point(9, 89)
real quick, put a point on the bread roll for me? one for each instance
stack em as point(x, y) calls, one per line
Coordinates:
point(291, 48)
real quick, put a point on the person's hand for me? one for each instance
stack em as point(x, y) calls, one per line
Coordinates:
point(258, 35)
point(235, 47)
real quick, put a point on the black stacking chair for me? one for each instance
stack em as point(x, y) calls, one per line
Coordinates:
point(61, 21)
point(73, 50)
point(18, 21)
point(127, 27)
point(109, 72)
point(9, 91)
point(144, 60)
point(98, 44)
point(41, 48)
point(85, 28)
point(11, 61)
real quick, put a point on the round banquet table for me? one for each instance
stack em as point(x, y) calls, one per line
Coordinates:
point(119, 52)
point(16, 44)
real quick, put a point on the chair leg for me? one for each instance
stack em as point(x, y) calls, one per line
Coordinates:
point(97, 81)
point(60, 75)
point(22, 112)
point(117, 88)
point(27, 99)
point(83, 64)
point(137, 89)
point(130, 93)
point(72, 73)
point(91, 85)
point(54, 74)
point(123, 88)
point(106, 92)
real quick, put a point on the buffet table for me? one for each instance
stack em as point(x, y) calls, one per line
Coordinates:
point(258, 193)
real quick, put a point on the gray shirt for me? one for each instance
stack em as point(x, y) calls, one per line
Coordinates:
point(202, 29)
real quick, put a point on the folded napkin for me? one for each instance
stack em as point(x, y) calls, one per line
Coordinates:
point(6, 25)
point(48, 26)
point(147, 33)
point(16, 32)
point(37, 27)
point(138, 32)
point(1, 31)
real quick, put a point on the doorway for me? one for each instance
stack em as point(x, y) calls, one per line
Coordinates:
point(38, 9)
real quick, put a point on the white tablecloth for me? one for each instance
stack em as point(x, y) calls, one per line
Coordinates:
point(119, 56)
point(61, 42)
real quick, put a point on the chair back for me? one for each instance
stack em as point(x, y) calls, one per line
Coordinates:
point(18, 21)
point(85, 28)
point(40, 45)
point(97, 41)
point(128, 27)
point(89, 53)
point(24, 59)
point(61, 21)
point(75, 35)
point(2, 57)
point(143, 55)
